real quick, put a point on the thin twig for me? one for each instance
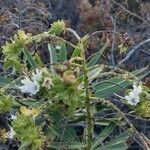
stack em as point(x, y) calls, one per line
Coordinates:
point(133, 51)
point(74, 33)
point(131, 13)
point(114, 41)
point(103, 31)
point(109, 103)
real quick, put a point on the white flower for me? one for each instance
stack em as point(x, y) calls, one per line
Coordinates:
point(36, 77)
point(133, 97)
point(47, 83)
point(58, 47)
point(13, 117)
point(31, 86)
point(10, 134)
point(137, 89)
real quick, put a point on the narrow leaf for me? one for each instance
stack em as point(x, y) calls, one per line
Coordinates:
point(118, 139)
point(29, 58)
point(108, 87)
point(75, 146)
point(120, 146)
point(94, 59)
point(5, 81)
point(77, 51)
point(53, 54)
point(92, 74)
point(103, 135)
point(63, 52)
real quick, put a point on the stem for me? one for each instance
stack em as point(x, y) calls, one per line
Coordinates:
point(89, 119)
point(109, 103)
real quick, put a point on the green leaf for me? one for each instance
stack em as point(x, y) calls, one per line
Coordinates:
point(120, 146)
point(62, 52)
point(103, 135)
point(5, 81)
point(108, 87)
point(38, 60)
point(139, 71)
point(53, 54)
point(107, 121)
point(12, 62)
point(118, 139)
point(57, 27)
point(77, 51)
point(67, 133)
point(51, 133)
point(24, 102)
point(85, 38)
point(61, 145)
point(94, 59)
point(92, 74)
point(29, 58)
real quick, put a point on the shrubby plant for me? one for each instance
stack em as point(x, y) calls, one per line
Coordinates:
point(50, 99)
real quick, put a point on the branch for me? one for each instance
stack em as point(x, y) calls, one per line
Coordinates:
point(133, 51)
point(74, 33)
point(109, 103)
point(103, 31)
point(114, 40)
point(131, 13)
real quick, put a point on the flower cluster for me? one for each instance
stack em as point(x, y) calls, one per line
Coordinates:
point(10, 134)
point(5, 103)
point(32, 86)
point(24, 129)
point(134, 95)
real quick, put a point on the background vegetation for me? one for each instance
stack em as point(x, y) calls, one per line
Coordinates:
point(128, 19)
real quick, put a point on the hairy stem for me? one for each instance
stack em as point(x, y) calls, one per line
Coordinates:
point(140, 138)
point(89, 118)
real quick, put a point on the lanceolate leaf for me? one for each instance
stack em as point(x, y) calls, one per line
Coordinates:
point(64, 131)
point(29, 58)
point(77, 51)
point(53, 54)
point(61, 145)
point(139, 71)
point(62, 52)
point(118, 139)
point(94, 73)
point(119, 146)
point(5, 81)
point(103, 135)
point(108, 87)
point(95, 58)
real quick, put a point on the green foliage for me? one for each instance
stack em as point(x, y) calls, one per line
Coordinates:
point(70, 92)
point(143, 108)
point(6, 103)
point(58, 53)
point(95, 58)
point(12, 50)
point(57, 27)
point(107, 88)
point(70, 95)
point(116, 143)
point(29, 58)
point(5, 81)
point(27, 132)
point(38, 60)
point(103, 135)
